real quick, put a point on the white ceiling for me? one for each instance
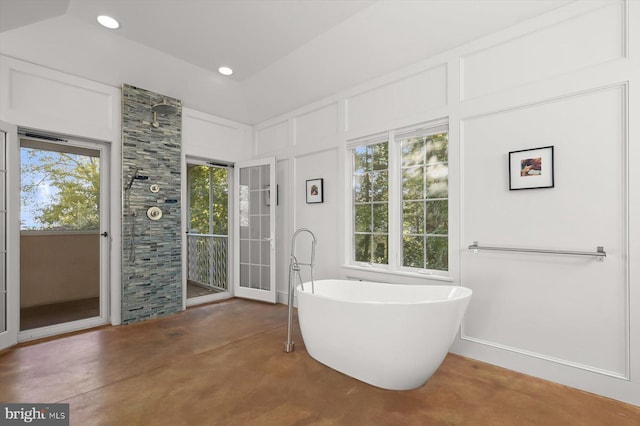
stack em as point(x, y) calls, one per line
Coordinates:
point(285, 53)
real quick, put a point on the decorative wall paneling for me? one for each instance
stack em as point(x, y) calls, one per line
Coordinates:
point(272, 139)
point(568, 79)
point(40, 98)
point(569, 310)
point(316, 126)
point(36, 97)
point(550, 51)
point(210, 137)
point(413, 95)
point(322, 218)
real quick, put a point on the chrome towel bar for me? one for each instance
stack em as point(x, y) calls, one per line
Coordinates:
point(600, 254)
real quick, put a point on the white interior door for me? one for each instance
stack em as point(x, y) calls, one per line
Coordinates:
point(255, 198)
point(9, 242)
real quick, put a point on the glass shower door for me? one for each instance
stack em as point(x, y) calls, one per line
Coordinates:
point(255, 219)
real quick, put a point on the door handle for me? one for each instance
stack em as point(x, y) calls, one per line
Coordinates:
point(272, 241)
point(105, 234)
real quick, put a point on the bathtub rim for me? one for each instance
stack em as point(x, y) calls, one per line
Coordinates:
point(467, 293)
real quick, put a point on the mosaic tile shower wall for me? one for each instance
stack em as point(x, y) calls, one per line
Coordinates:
point(151, 249)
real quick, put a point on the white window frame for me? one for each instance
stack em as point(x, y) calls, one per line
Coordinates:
point(395, 199)
point(372, 140)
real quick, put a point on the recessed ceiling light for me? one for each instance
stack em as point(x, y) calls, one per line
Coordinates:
point(108, 21)
point(225, 70)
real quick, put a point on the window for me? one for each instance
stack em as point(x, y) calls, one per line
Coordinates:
point(401, 200)
point(425, 204)
point(60, 187)
point(371, 203)
point(208, 199)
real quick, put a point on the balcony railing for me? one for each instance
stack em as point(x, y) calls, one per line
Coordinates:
point(207, 254)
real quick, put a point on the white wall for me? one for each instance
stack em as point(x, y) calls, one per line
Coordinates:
point(554, 81)
point(306, 147)
point(209, 137)
point(567, 79)
point(43, 99)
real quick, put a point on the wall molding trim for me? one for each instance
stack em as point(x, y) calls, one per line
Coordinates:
point(622, 89)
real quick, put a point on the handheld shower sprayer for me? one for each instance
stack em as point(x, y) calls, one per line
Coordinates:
point(135, 173)
point(135, 176)
point(132, 213)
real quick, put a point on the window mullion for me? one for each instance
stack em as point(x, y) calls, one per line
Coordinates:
point(395, 204)
point(424, 213)
point(371, 217)
point(211, 195)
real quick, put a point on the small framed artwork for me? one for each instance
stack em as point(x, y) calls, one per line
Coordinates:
point(531, 168)
point(315, 191)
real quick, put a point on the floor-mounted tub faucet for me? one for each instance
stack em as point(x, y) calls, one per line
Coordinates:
point(294, 269)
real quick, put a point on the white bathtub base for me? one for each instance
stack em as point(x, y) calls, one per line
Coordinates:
point(393, 345)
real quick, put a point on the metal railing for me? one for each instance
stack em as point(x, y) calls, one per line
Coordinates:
point(207, 254)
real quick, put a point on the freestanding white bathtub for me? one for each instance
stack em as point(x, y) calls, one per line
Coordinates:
point(393, 336)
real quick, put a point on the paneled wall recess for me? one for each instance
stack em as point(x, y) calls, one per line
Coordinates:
point(550, 51)
point(413, 95)
point(570, 310)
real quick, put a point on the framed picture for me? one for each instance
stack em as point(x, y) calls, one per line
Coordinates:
point(315, 192)
point(531, 168)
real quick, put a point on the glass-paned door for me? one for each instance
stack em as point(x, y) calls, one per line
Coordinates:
point(8, 241)
point(255, 211)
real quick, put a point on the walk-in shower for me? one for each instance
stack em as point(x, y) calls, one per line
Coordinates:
point(151, 262)
point(154, 213)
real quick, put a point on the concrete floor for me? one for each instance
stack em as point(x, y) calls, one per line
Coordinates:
point(223, 364)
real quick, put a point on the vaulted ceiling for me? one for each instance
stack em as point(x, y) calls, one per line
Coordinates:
point(285, 53)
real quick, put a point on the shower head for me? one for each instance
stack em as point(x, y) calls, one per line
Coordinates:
point(164, 108)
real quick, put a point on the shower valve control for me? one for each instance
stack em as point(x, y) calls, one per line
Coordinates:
point(154, 213)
